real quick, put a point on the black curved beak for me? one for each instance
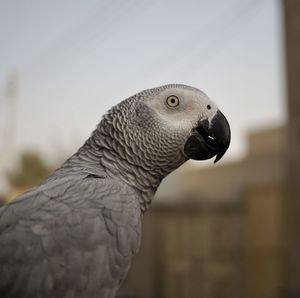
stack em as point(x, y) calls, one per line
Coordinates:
point(209, 139)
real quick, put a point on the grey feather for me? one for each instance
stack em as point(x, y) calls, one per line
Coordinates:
point(60, 239)
point(75, 233)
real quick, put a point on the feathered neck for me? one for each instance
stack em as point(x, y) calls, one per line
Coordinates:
point(130, 147)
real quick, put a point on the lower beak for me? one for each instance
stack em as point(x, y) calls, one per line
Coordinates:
point(209, 139)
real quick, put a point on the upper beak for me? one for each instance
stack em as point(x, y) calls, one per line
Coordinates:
point(209, 139)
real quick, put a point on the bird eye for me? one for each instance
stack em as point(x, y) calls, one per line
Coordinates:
point(208, 107)
point(172, 101)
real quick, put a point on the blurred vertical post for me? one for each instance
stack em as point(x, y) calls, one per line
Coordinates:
point(292, 39)
point(9, 132)
point(10, 128)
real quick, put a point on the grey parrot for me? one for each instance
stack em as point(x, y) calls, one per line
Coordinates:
point(74, 234)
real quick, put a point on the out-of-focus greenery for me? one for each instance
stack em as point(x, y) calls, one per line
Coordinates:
point(32, 168)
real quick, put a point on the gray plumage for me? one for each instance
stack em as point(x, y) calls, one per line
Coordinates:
point(75, 233)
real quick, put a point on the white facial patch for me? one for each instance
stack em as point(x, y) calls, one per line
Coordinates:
point(194, 105)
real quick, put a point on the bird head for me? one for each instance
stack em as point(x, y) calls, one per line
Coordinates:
point(158, 129)
point(185, 114)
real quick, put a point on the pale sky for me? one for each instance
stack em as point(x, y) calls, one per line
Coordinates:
point(75, 59)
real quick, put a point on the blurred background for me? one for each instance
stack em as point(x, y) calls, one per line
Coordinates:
point(225, 230)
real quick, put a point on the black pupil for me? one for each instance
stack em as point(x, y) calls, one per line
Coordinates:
point(208, 107)
point(173, 100)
